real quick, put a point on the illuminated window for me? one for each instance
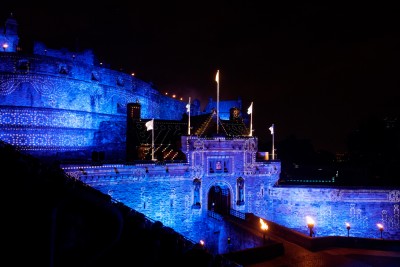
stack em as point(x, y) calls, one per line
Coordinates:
point(218, 166)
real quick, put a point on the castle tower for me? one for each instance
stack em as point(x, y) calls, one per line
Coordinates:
point(9, 35)
point(133, 113)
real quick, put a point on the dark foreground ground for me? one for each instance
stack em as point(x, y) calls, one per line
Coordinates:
point(299, 256)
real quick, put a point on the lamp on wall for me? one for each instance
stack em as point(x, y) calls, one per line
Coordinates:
point(310, 225)
point(348, 229)
point(202, 243)
point(5, 46)
point(380, 226)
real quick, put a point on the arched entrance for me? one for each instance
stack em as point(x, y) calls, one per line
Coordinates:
point(219, 199)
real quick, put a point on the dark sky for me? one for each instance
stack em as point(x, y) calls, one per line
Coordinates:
point(314, 70)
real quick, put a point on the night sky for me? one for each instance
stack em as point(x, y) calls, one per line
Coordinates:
point(314, 70)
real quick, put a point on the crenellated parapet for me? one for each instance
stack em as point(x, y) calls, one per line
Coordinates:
point(87, 56)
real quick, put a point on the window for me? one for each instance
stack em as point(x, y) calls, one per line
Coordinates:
point(240, 191)
point(219, 165)
point(196, 193)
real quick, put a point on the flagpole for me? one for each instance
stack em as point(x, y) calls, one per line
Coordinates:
point(152, 142)
point(217, 80)
point(273, 141)
point(189, 117)
point(251, 120)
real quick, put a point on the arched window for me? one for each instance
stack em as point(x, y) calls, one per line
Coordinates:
point(196, 193)
point(240, 191)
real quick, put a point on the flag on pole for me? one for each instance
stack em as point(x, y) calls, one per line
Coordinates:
point(272, 129)
point(250, 109)
point(150, 125)
point(217, 80)
point(188, 111)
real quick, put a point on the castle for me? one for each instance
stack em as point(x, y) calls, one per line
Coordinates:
point(67, 106)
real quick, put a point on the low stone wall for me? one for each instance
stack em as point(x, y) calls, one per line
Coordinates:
point(321, 243)
point(332, 208)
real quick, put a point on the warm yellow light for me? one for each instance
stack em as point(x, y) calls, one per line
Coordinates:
point(202, 242)
point(132, 74)
point(347, 225)
point(5, 46)
point(173, 95)
point(310, 221)
point(166, 93)
point(264, 225)
point(380, 226)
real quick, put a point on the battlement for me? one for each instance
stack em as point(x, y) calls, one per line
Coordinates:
point(87, 57)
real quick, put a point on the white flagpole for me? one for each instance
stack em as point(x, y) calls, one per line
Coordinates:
point(217, 80)
point(251, 119)
point(188, 106)
point(152, 142)
point(273, 137)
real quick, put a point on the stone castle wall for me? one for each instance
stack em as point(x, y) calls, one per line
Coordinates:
point(332, 207)
point(165, 192)
point(50, 103)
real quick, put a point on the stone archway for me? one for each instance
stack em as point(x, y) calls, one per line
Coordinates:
point(219, 199)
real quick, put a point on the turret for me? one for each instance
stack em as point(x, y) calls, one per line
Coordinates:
point(9, 35)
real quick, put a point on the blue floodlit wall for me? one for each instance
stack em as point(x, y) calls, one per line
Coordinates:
point(56, 102)
point(332, 208)
point(166, 192)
